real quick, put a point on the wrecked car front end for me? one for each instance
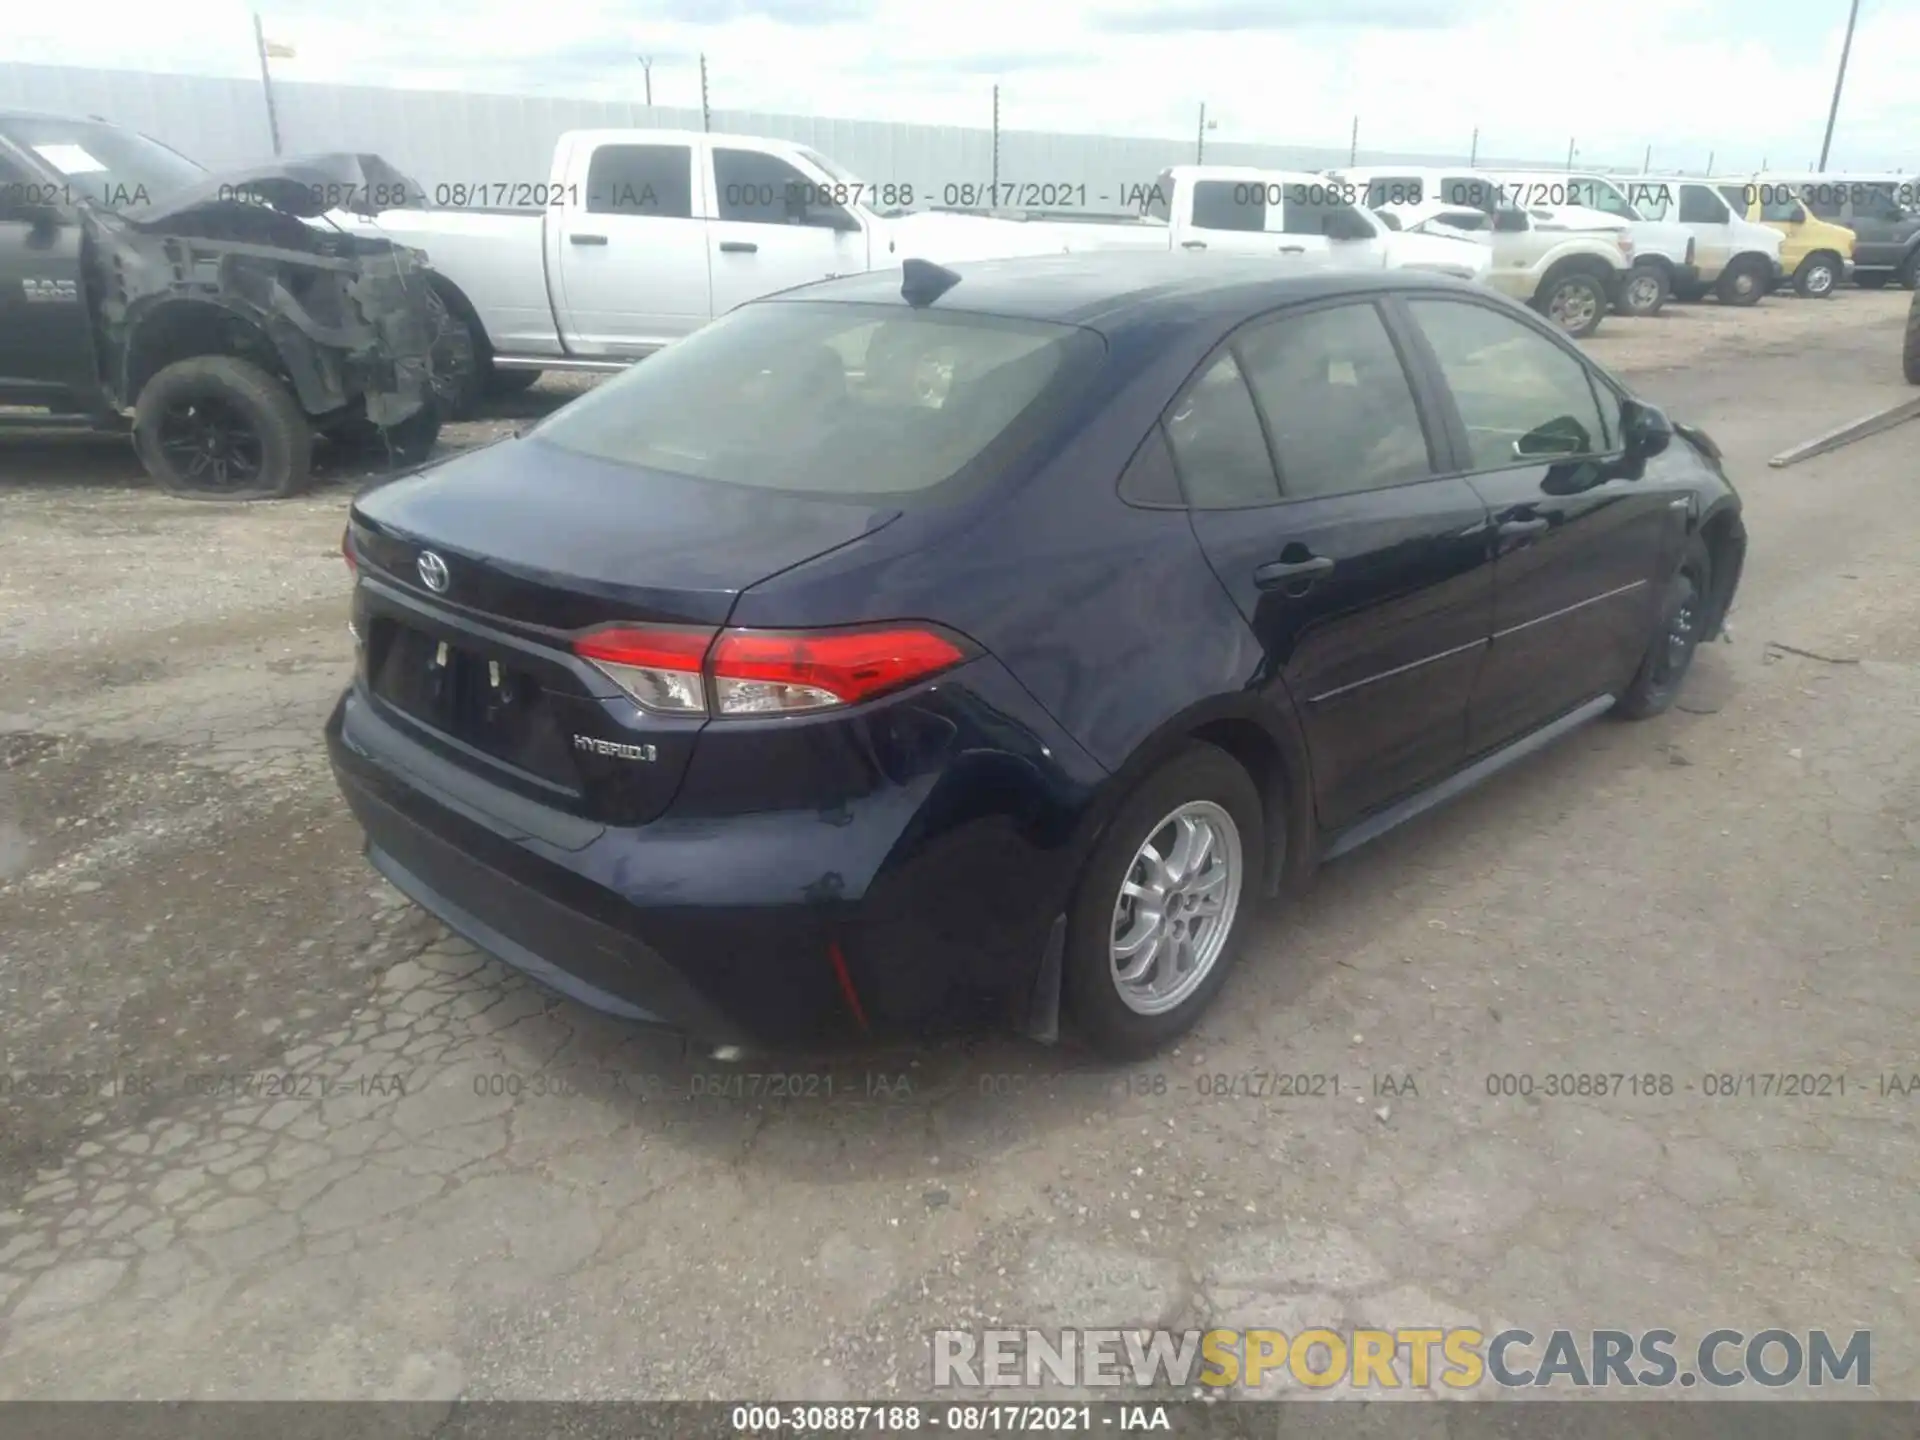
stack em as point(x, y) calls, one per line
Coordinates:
point(350, 320)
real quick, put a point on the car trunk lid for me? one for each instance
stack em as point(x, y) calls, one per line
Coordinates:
point(479, 575)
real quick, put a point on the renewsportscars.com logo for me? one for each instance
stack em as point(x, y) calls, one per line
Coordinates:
point(1363, 1359)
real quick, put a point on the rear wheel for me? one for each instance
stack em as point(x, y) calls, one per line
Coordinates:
point(1645, 291)
point(1742, 283)
point(1818, 275)
point(1683, 614)
point(1576, 302)
point(1910, 271)
point(1163, 902)
point(219, 428)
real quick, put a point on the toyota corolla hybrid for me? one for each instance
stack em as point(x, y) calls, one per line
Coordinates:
point(980, 646)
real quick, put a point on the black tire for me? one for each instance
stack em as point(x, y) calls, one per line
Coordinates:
point(1644, 292)
point(1687, 292)
point(1683, 614)
point(1909, 274)
point(1872, 280)
point(1910, 352)
point(397, 446)
point(502, 383)
point(1744, 282)
point(462, 361)
point(219, 428)
point(1818, 276)
point(1575, 300)
point(1198, 774)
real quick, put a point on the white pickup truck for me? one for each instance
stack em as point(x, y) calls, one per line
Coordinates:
point(639, 237)
point(1566, 262)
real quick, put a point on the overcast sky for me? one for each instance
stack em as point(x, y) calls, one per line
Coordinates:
point(1746, 79)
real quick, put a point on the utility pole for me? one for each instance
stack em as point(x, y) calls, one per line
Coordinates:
point(706, 114)
point(1710, 155)
point(996, 145)
point(1570, 154)
point(1473, 154)
point(1646, 162)
point(1353, 145)
point(1200, 142)
point(646, 65)
point(1846, 48)
point(266, 81)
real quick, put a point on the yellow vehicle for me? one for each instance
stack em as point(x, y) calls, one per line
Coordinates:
point(1816, 254)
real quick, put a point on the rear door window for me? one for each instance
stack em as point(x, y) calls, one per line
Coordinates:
point(651, 180)
point(1337, 402)
point(832, 399)
point(1229, 205)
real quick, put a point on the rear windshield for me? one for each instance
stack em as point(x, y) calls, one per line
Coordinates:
point(831, 399)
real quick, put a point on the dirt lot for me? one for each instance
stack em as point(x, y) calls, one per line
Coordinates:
point(456, 1184)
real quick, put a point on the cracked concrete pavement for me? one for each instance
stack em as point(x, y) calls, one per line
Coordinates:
point(270, 1132)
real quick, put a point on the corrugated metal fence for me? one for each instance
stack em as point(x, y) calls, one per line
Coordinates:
point(448, 137)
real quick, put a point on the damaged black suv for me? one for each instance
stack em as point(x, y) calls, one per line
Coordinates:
point(218, 316)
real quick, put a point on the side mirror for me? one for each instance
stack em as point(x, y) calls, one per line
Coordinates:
point(1644, 429)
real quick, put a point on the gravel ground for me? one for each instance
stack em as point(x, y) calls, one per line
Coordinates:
point(459, 1185)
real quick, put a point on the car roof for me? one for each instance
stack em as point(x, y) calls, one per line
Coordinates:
point(1110, 292)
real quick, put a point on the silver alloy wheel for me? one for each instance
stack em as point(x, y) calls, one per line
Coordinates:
point(1819, 279)
point(1642, 292)
point(1572, 306)
point(1745, 282)
point(1176, 907)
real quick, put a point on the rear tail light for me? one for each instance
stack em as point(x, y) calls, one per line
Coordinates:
point(353, 573)
point(673, 671)
point(658, 665)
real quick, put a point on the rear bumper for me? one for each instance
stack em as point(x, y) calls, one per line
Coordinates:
point(910, 909)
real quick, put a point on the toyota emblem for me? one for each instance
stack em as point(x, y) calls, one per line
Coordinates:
point(433, 571)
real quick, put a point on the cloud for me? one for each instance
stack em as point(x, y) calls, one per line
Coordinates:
point(1004, 62)
point(1213, 16)
point(807, 13)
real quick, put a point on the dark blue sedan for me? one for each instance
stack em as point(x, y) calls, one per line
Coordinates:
point(978, 646)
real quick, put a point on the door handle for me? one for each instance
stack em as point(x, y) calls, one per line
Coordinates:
point(1285, 572)
point(1293, 249)
point(738, 247)
point(1193, 244)
point(1523, 527)
point(586, 239)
